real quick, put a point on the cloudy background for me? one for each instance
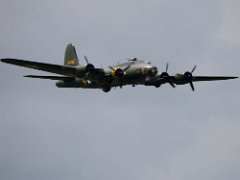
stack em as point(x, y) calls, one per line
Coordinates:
point(134, 133)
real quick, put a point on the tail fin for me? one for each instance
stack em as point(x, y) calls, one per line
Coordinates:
point(70, 57)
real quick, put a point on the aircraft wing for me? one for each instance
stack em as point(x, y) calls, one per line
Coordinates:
point(211, 78)
point(57, 69)
point(180, 79)
point(188, 78)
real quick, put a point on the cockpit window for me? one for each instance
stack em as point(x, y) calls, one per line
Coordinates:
point(152, 71)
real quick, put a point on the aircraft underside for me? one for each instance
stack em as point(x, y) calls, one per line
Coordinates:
point(87, 84)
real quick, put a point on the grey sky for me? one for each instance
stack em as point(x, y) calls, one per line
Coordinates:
point(133, 133)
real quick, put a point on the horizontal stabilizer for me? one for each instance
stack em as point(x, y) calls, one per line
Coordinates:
point(61, 78)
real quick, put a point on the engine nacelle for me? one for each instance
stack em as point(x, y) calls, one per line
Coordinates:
point(89, 68)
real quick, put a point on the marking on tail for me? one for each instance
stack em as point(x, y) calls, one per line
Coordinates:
point(70, 57)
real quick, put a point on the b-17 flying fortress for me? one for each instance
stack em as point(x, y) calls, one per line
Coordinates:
point(134, 72)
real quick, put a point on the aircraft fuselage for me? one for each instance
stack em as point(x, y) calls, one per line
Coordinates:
point(134, 75)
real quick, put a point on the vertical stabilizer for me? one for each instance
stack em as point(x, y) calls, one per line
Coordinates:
point(70, 57)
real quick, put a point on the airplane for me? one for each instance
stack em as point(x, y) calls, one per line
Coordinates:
point(134, 72)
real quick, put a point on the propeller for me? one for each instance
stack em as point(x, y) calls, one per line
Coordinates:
point(189, 77)
point(89, 67)
point(119, 73)
point(86, 59)
point(166, 78)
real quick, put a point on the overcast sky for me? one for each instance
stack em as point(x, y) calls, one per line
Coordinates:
point(136, 133)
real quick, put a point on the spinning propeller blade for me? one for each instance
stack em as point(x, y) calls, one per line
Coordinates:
point(189, 77)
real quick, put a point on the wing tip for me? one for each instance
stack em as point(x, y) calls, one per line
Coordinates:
point(4, 60)
point(8, 60)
